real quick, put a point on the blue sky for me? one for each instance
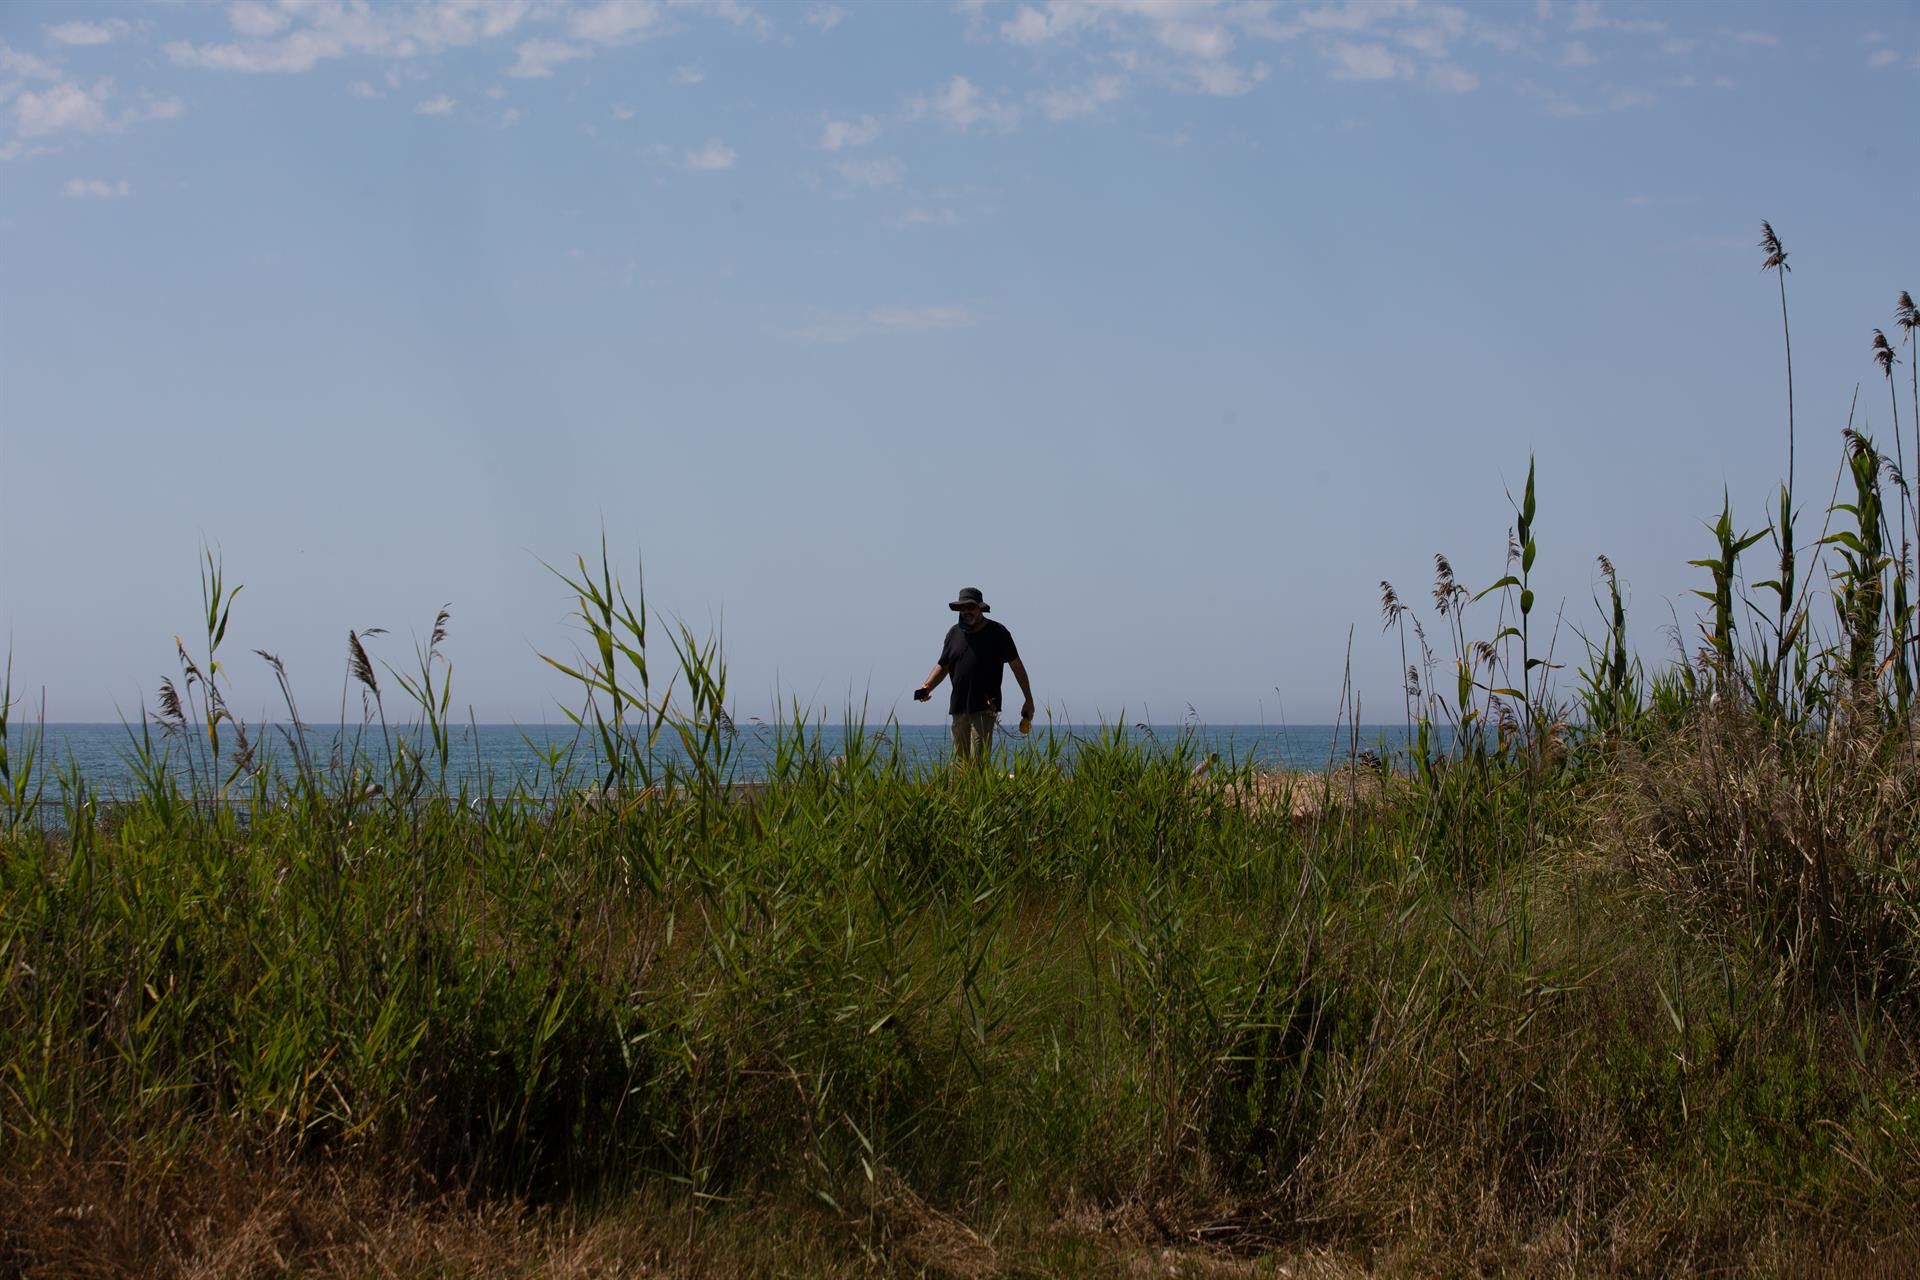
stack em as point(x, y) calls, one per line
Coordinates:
point(1174, 326)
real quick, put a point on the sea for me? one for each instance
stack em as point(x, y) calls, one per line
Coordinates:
point(497, 758)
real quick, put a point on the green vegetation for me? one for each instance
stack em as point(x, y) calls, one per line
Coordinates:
point(1620, 983)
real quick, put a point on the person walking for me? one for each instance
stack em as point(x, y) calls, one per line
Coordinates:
point(976, 651)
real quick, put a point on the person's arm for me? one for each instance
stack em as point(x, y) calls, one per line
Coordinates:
point(1019, 670)
point(934, 678)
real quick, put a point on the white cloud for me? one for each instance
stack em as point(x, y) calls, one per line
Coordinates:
point(826, 17)
point(961, 106)
point(88, 33)
point(872, 173)
point(251, 18)
point(508, 118)
point(298, 35)
point(734, 11)
point(837, 135)
point(452, 23)
point(1196, 41)
point(1028, 26)
point(713, 155)
point(67, 106)
point(1365, 62)
point(298, 52)
point(1590, 15)
point(1762, 39)
point(19, 63)
point(689, 74)
point(615, 21)
point(437, 106)
point(1358, 15)
point(1577, 54)
point(1880, 58)
point(1612, 98)
point(1638, 202)
point(1448, 78)
point(1186, 44)
point(1197, 28)
point(1498, 38)
point(1218, 79)
point(1556, 105)
point(621, 111)
point(538, 58)
point(62, 107)
point(1196, 46)
point(1431, 41)
point(361, 89)
point(1084, 99)
point(97, 189)
point(295, 36)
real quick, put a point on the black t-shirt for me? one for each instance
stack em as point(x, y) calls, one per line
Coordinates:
point(974, 661)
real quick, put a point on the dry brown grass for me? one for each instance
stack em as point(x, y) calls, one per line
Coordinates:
point(1303, 795)
point(243, 1220)
point(1809, 857)
point(226, 1217)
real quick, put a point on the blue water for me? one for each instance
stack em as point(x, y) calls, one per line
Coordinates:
point(499, 757)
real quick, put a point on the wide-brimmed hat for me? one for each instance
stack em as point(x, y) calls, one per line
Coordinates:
point(970, 597)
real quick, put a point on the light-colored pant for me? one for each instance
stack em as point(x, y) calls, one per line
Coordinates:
point(973, 734)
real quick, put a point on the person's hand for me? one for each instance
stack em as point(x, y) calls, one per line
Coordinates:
point(922, 694)
point(1026, 709)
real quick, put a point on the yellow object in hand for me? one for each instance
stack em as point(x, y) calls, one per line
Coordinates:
point(1026, 724)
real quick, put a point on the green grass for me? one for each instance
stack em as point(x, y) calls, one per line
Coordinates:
point(1443, 1017)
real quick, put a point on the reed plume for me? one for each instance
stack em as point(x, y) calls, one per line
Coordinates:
point(1443, 584)
point(361, 668)
point(360, 665)
point(1390, 606)
point(1392, 615)
point(172, 714)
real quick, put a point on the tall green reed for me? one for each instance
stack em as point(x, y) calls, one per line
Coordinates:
point(1860, 588)
point(1783, 529)
point(22, 773)
point(1900, 648)
point(194, 709)
point(1723, 567)
point(1611, 694)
